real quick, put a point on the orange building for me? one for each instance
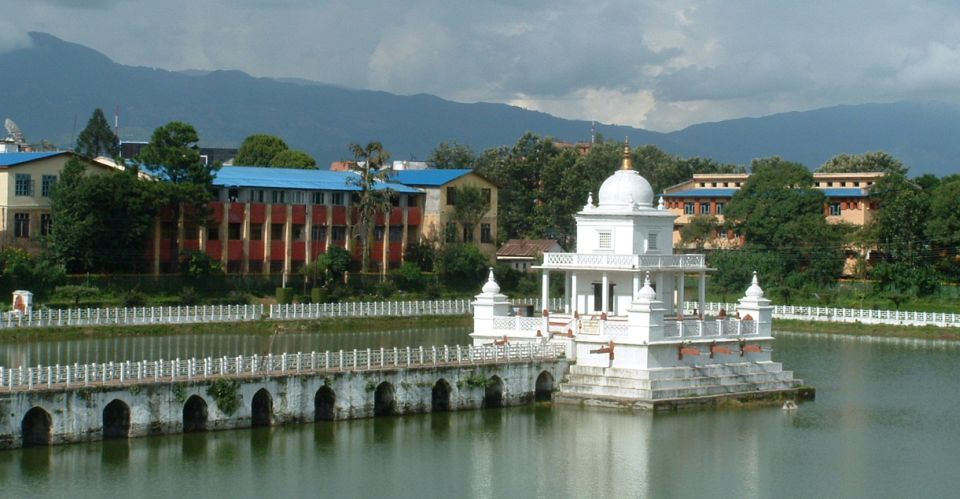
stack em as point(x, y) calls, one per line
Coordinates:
point(708, 194)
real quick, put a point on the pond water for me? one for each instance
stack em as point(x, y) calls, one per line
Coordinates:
point(884, 425)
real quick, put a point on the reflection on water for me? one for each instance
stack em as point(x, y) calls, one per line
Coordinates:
point(883, 425)
point(117, 349)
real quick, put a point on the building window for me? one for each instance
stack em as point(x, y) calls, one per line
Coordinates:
point(46, 224)
point(451, 196)
point(652, 242)
point(299, 232)
point(213, 232)
point(46, 185)
point(719, 208)
point(605, 240)
point(704, 208)
point(234, 231)
point(834, 209)
point(378, 233)
point(467, 233)
point(278, 197)
point(318, 198)
point(689, 209)
point(411, 201)
point(256, 196)
point(24, 184)
point(396, 234)
point(450, 234)
point(296, 197)
point(233, 195)
point(486, 236)
point(276, 232)
point(337, 198)
point(318, 232)
point(21, 224)
point(256, 232)
point(339, 233)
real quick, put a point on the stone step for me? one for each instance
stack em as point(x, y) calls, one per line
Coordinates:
point(680, 372)
point(586, 391)
point(673, 383)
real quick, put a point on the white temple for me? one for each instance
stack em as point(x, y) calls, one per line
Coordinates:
point(624, 318)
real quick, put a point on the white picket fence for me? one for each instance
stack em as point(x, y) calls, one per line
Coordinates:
point(167, 371)
point(865, 316)
point(242, 313)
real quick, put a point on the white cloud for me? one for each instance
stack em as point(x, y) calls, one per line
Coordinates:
point(657, 64)
point(12, 37)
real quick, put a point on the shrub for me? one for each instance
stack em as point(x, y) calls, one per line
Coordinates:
point(188, 296)
point(408, 277)
point(285, 295)
point(133, 298)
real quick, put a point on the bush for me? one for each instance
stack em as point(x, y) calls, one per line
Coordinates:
point(285, 295)
point(133, 298)
point(408, 277)
point(188, 296)
point(461, 267)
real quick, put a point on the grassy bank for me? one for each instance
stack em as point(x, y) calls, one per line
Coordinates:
point(333, 324)
point(857, 329)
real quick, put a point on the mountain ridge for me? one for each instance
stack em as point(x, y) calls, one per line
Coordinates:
point(57, 84)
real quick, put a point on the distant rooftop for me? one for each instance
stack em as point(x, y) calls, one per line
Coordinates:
point(293, 178)
point(432, 177)
point(16, 158)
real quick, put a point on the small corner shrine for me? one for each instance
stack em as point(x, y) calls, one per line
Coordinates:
point(624, 317)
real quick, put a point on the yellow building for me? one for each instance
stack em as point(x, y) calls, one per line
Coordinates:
point(440, 187)
point(707, 194)
point(26, 182)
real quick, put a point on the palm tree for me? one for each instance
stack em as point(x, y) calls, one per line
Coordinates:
point(374, 199)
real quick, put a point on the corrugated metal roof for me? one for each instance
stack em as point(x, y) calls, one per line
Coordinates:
point(432, 177)
point(293, 178)
point(16, 158)
point(844, 193)
point(701, 193)
point(727, 193)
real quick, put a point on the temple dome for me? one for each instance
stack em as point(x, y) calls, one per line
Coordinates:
point(625, 188)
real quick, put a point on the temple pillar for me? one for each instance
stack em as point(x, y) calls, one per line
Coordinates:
point(680, 290)
point(702, 292)
point(545, 291)
point(574, 308)
point(604, 293)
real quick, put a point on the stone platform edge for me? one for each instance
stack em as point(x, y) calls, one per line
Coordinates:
point(719, 401)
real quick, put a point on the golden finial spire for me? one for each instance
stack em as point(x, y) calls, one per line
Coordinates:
point(627, 158)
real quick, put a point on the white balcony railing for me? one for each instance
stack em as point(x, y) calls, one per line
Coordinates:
point(626, 262)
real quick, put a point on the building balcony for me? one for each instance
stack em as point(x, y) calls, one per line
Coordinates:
point(593, 261)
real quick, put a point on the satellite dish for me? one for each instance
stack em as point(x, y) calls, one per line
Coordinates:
point(13, 130)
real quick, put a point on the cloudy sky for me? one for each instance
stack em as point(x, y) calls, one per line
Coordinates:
point(659, 65)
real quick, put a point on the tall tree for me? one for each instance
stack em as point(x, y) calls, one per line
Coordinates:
point(878, 161)
point(452, 155)
point(97, 139)
point(291, 158)
point(899, 230)
point(471, 203)
point(185, 181)
point(943, 227)
point(699, 230)
point(259, 149)
point(780, 215)
point(101, 221)
point(173, 155)
point(374, 196)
